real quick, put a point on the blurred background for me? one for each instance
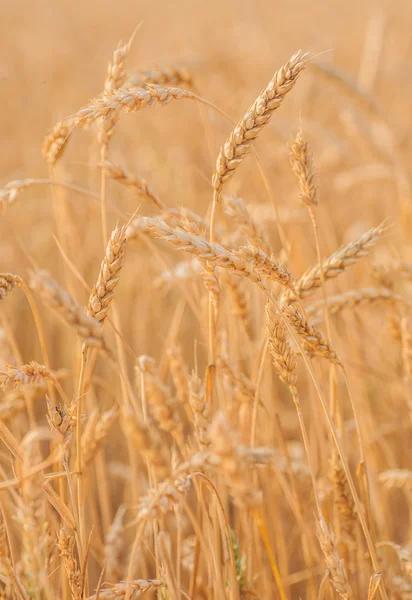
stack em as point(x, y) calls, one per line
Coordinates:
point(354, 105)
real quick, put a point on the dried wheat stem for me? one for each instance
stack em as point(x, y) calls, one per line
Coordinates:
point(103, 292)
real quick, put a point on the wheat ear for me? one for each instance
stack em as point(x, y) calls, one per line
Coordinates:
point(238, 144)
point(103, 293)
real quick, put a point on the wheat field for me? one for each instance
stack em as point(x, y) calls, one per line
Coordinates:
point(205, 319)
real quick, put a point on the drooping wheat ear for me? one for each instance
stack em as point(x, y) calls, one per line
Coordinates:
point(31, 374)
point(171, 75)
point(160, 501)
point(55, 142)
point(229, 462)
point(353, 299)
point(103, 292)
point(188, 220)
point(96, 430)
point(201, 410)
point(13, 405)
point(211, 282)
point(60, 423)
point(251, 262)
point(241, 384)
point(159, 398)
point(13, 586)
point(137, 184)
point(265, 265)
point(31, 516)
point(146, 438)
point(312, 336)
point(181, 271)
point(343, 497)
point(59, 300)
point(329, 545)
point(283, 357)
point(11, 190)
point(7, 283)
point(65, 544)
point(240, 302)
point(113, 543)
point(178, 371)
point(302, 166)
point(338, 262)
point(129, 99)
point(396, 478)
point(238, 144)
point(240, 213)
point(138, 588)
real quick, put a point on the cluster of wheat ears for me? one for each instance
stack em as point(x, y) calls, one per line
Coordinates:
point(242, 461)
